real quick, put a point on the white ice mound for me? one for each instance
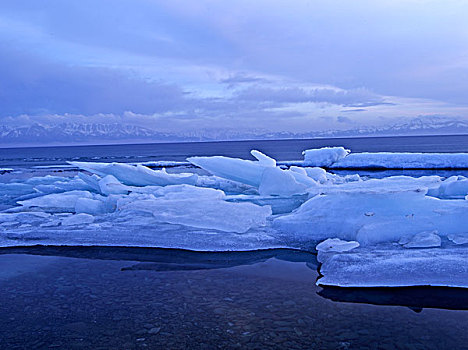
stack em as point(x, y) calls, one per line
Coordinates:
point(386, 185)
point(459, 239)
point(206, 209)
point(340, 158)
point(246, 204)
point(390, 266)
point(136, 175)
point(402, 161)
point(110, 185)
point(77, 219)
point(373, 214)
point(455, 187)
point(317, 174)
point(336, 245)
point(426, 239)
point(262, 174)
point(324, 157)
point(90, 206)
point(245, 171)
point(57, 202)
point(279, 182)
point(263, 158)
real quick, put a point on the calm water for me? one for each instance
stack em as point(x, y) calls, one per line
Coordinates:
point(278, 149)
point(132, 298)
point(125, 298)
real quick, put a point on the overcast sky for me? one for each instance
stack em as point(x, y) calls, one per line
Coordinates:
point(276, 65)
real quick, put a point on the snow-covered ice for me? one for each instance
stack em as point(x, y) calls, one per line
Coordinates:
point(373, 217)
point(425, 239)
point(324, 157)
point(261, 174)
point(404, 161)
point(198, 207)
point(361, 227)
point(244, 171)
point(455, 187)
point(458, 239)
point(392, 266)
point(138, 175)
point(336, 245)
point(90, 206)
point(56, 202)
point(339, 157)
point(77, 219)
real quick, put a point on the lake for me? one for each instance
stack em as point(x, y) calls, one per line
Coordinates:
point(144, 298)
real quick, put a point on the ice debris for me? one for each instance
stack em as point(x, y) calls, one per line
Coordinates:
point(324, 157)
point(455, 187)
point(262, 174)
point(138, 175)
point(388, 160)
point(56, 202)
point(336, 245)
point(77, 219)
point(458, 239)
point(426, 239)
point(391, 266)
point(247, 204)
point(202, 212)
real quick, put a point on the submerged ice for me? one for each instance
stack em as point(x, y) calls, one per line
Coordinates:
point(251, 204)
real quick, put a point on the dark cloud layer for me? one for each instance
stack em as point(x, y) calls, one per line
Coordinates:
point(31, 86)
point(352, 98)
point(223, 62)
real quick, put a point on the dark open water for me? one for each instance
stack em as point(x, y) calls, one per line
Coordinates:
point(131, 298)
point(278, 149)
point(105, 299)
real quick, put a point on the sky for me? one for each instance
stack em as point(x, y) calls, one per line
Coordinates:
point(293, 66)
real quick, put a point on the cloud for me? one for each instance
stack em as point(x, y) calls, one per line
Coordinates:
point(32, 86)
point(241, 65)
point(354, 110)
point(242, 78)
point(341, 119)
point(349, 98)
point(339, 43)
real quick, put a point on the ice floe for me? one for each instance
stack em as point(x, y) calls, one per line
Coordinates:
point(55, 202)
point(324, 157)
point(455, 187)
point(138, 175)
point(244, 171)
point(458, 239)
point(262, 174)
point(391, 266)
point(336, 245)
point(373, 217)
point(208, 212)
point(357, 224)
point(77, 219)
point(339, 157)
point(425, 239)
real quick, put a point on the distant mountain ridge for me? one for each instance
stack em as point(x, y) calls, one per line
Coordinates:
point(70, 133)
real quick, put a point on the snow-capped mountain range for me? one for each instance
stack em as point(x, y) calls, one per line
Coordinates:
point(70, 133)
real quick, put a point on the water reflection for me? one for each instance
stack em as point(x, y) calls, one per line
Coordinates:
point(169, 260)
point(160, 259)
point(415, 298)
